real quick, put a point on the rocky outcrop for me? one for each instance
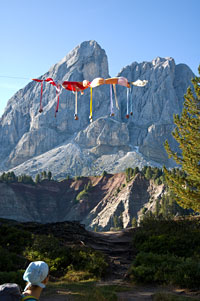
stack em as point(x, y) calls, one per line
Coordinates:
point(155, 104)
point(32, 142)
point(25, 133)
point(105, 199)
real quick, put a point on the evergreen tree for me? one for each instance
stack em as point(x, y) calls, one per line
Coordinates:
point(186, 184)
point(134, 222)
point(49, 175)
point(104, 173)
point(43, 175)
point(157, 211)
point(149, 173)
point(129, 174)
point(144, 169)
point(120, 222)
point(25, 179)
point(115, 221)
point(37, 178)
point(136, 171)
point(8, 177)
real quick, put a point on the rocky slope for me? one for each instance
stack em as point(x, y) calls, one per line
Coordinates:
point(32, 142)
point(105, 198)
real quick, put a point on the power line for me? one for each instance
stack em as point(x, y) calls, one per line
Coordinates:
point(16, 77)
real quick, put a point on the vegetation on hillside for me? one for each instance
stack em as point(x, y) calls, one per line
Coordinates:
point(84, 194)
point(10, 177)
point(166, 205)
point(150, 173)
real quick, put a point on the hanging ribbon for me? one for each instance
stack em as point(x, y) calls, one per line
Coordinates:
point(111, 102)
point(90, 117)
point(115, 92)
point(131, 100)
point(127, 104)
point(57, 95)
point(76, 106)
point(80, 86)
point(41, 92)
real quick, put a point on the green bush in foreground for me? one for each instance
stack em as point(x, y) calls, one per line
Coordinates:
point(60, 258)
point(19, 247)
point(166, 269)
point(14, 276)
point(167, 252)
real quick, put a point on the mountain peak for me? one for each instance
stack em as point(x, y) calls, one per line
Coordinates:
point(77, 147)
point(87, 57)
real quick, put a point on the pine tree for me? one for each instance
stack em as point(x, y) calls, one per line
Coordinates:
point(186, 184)
point(129, 174)
point(49, 175)
point(37, 178)
point(149, 173)
point(43, 175)
point(134, 222)
point(136, 171)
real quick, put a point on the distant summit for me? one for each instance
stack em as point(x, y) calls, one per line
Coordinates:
point(32, 142)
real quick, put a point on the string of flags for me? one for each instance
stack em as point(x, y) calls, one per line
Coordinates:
point(75, 87)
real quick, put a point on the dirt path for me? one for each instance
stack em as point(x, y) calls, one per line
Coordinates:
point(119, 251)
point(118, 248)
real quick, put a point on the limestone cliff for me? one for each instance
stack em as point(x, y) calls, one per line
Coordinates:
point(32, 142)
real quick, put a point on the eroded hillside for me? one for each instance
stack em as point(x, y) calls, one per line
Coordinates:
point(100, 202)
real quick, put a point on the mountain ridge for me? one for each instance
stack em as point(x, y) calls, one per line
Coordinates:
point(25, 134)
point(93, 201)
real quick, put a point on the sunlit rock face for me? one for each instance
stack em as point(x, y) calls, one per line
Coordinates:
point(33, 141)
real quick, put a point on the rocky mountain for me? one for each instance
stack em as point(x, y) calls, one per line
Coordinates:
point(100, 202)
point(33, 141)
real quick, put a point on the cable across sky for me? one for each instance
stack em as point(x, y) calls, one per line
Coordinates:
point(37, 34)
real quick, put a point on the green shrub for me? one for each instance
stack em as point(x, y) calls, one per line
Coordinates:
point(188, 273)
point(89, 260)
point(150, 267)
point(162, 237)
point(85, 192)
point(14, 239)
point(167, 252)
point(59, 257)
point(19, 247)
point(183, 246)
point(166, 269)
point(12, 277)
point(82, 195)
point(77, 276)
point(10, 261)
point(49, 249)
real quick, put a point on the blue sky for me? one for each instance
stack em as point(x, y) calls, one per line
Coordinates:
point(35, 34)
